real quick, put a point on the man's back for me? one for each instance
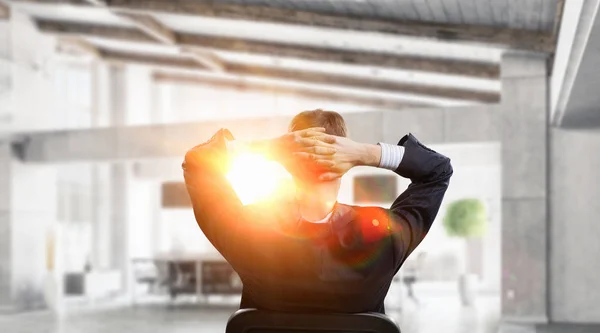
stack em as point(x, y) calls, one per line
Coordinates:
point(295, 265)
point(289, 264)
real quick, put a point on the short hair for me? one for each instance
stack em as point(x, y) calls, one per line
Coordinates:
point(332, 121)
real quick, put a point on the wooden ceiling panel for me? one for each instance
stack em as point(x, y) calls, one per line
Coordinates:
point(473, 12)
point(467, 33)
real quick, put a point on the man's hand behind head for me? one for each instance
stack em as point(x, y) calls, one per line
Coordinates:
point(299, 141)
point(346, 155)
point(285, 148)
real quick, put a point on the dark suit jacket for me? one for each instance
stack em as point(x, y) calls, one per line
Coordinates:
point(287, 264)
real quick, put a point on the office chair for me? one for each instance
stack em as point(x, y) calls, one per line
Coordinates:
point(258, 321)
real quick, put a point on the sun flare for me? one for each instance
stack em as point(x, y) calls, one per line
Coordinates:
point(255, 178)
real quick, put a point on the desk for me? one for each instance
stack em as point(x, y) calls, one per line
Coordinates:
point(200, 274)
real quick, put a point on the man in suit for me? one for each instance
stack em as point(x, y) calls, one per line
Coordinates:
point(309, 253)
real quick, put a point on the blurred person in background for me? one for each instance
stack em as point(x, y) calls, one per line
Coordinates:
point(305, 252)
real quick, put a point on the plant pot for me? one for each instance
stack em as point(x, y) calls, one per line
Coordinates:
point(467, 285)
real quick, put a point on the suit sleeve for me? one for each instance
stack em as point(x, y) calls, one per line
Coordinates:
point(217, 208)
point(413, 212)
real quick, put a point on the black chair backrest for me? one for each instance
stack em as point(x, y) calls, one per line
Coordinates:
point(259, 321)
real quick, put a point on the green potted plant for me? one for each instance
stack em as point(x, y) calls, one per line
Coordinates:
point(467, 219)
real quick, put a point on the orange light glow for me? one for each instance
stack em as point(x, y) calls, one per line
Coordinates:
point(255, 178)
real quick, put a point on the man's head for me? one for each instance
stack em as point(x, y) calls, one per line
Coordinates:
point(316, 197)
point(333, 122)
point(305, 173)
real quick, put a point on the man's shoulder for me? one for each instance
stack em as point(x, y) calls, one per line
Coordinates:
point(360, 214)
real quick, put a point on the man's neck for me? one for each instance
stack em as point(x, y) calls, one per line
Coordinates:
point(316, 202)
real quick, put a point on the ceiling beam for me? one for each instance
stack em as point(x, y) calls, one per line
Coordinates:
point(379, 103)
point(154, 60)
point(81, 29)
point(311, 77)
point(162, 140)
point(78, 46)
point(206, 58)
point(173, 140)
point(97, 2)
point(362, 82)
point(144, 22)
point(155, 29)
point(353, 57)
point(510, 38)
point(152, 27)
point(158, 31)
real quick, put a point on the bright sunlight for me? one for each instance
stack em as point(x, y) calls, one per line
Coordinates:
point(255, 178)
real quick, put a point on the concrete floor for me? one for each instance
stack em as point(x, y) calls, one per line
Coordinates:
point(436, 314)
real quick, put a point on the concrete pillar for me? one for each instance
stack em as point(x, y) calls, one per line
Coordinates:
point(524, 114)
point(575, 194)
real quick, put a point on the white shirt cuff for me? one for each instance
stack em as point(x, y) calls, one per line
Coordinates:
point(391, 156)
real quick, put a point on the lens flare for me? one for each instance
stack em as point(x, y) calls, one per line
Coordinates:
point(257, 179)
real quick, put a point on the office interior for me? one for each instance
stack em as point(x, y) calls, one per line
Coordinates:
point(100, 100)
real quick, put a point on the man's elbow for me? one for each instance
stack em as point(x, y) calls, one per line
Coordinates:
point(442, 170)
point(445, 172)
point(188, 160)
point(448, 167)
point(195, 158)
